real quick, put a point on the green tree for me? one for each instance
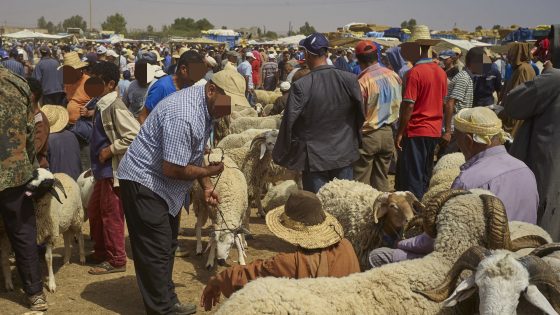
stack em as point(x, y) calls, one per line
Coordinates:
point(411, 23)
point(204, 24)
point(183, 24)
point(150, 29)
point(307, 29)
point(50, 27)
point(478, 28)
point(74, 21)
point(224, 27)
point(116, 23)
point(497, 27)
point(41, 22)
point(270, 35)
point(291, 33)
point(259, 31)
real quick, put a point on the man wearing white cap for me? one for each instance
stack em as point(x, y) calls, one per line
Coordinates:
point(280, 102)
point(246, 70)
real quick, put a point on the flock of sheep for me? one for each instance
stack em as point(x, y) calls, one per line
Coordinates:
point(505, 260)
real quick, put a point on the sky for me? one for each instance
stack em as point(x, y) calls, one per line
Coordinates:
point(275, 15)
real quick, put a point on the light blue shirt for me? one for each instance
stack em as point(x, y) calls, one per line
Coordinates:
point(176, 131)
point(246, 70)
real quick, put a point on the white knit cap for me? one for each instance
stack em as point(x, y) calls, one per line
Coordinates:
point(285, 86)
point(482, 123)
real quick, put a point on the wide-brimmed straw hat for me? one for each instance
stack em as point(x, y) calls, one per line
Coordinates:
point(233, 85)
point(303, 222)
point(57, 117)
point(73, 60)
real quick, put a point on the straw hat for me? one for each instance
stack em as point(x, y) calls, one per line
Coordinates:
point(57, 117)
point(482, 123)
point(182, 50)
point(303, 222)
point(73, 60)
point(233, 85)
point(158, 57)
point(420, 32)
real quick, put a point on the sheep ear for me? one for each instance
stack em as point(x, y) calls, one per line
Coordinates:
point(263, 150)
point(414, 202)
point(380, 207)
point(462, 292)
point(535, 297)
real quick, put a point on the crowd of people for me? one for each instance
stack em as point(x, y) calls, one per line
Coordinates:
point(140, 116)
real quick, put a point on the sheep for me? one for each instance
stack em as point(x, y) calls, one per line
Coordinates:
point(53, 218)
point(237, 140)
point(246, 112)
point(500, 277)
point(267, 109)
point(267, 97)
point(367, 214)
point(278, 195)
point(457, 219)
point(243, 123)
point(86, 182)
point(444, 173)
point(227, 217)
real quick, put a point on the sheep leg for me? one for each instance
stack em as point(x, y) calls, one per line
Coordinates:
point(246, 221)
point(211, 255)
point(81, 247)
point(5, 261)
point(198, 236)
point(67, 246)
point(260, 208)
point(51, 285)
point(240, 250)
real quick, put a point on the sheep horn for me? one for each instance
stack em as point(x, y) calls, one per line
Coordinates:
point(57, 184)
point(257, 139)
point(529, 241)
point(541, 273)
point(469, 260)
point(434, 206)
point(545, 250)
point(417, 221)
point(497, 227)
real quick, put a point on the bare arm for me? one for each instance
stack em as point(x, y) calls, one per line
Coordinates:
point(405, 113)
point(143, 115)
point(448, 109)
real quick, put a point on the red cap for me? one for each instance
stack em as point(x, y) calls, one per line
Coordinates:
point(365, 47)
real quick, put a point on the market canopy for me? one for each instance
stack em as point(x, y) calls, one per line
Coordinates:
point(27, 34)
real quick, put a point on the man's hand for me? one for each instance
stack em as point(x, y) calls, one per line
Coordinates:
point(398, 140)
point(446, 137)
point(215, 168)
point(105, 154)
point(210, 296)
point(211, 196)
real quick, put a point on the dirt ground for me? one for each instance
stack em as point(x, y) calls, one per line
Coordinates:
point(81, 293)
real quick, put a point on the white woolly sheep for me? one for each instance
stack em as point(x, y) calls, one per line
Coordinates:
point(246, 112)
point(267, 109)
point(444, 173)
point(500, 276)
point(237, 140)
point(226, 222)
point(267, 97)
point(366, 215)
point(54, 218)
point(244, 123)
point(458, 220)
point(86, 181)
point(278, 195)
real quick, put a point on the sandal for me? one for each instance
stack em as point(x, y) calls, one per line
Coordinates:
point(105, 268)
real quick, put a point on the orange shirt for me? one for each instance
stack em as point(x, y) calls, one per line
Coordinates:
point(77, 98)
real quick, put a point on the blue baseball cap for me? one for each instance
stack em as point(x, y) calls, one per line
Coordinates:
point(446, 54)
point(314, 43)
point(4, 54)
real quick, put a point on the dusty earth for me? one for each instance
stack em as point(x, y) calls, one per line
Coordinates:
point(81, 293)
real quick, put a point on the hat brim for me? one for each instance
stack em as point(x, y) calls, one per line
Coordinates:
point(76, 65)
point(317, 236)
point(62, 118)
point(238, 100)
point(427, 42)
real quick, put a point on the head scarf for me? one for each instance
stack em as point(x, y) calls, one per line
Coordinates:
point(395, 58)
point(519, 53)
point(482, 123)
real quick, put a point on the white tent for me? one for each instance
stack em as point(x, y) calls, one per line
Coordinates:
point(290, 40)
point(27, 34)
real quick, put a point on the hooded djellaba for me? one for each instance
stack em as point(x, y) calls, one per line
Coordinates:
point(519, 56)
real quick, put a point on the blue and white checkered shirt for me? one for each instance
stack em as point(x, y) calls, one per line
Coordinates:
point(176, 131)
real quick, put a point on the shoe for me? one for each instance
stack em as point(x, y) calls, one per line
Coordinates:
point(180, 252)
point(183, 309)
point(105, 268)
point(37, 302)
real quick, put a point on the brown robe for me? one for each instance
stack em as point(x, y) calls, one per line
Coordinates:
point(42, 130)
point(338, 261)
point(519, 55)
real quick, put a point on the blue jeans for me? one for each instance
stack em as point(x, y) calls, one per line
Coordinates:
point(313, 181)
